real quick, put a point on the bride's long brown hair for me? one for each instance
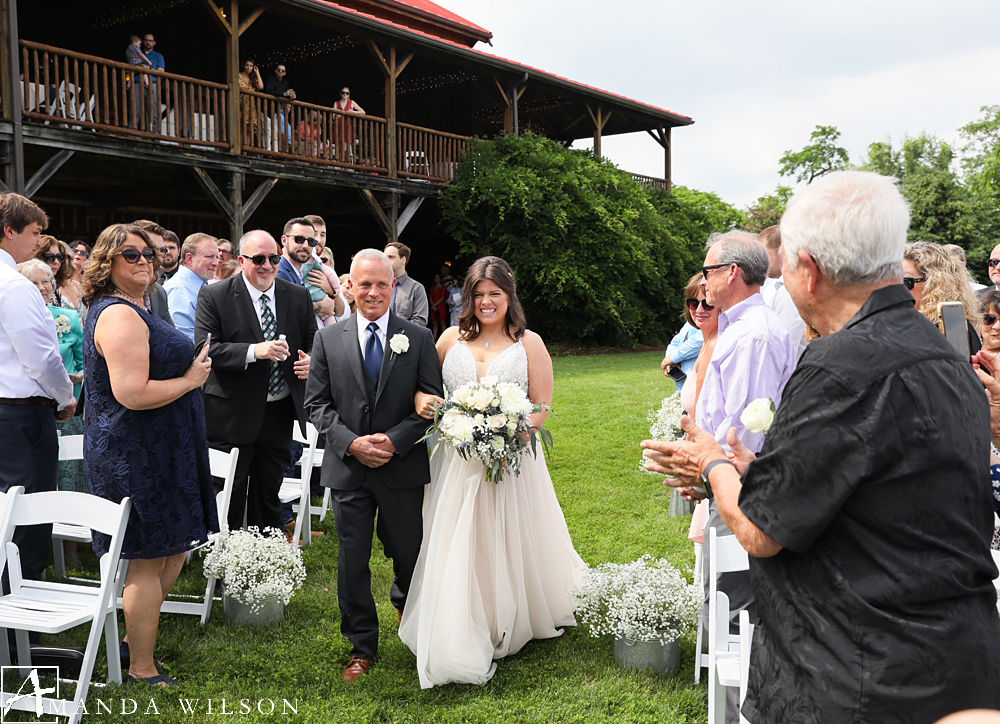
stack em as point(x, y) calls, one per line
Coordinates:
point(496, 270)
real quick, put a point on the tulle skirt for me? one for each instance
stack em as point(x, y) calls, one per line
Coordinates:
point(495, 570)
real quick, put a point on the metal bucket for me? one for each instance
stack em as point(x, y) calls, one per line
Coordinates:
point(271, 610)
point(649, 655)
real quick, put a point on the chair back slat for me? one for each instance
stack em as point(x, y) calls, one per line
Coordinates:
point(71, 447)
point(62, 506)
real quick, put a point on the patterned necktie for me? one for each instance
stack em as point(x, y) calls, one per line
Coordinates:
point(373, 352)
point(276, 381)
point(392, 302)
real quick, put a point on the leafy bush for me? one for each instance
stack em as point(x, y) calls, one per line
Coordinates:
point(598, 260)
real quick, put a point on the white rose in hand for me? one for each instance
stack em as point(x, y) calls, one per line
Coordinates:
point(758, 415)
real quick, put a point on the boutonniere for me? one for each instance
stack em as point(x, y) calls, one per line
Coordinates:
point(62, 325)
point(758, 415)
point(399, 343)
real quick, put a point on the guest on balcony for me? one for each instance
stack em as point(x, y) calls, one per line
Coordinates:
point(152, 97)
point(250, 80)
point(345, 126)
point(278, 86)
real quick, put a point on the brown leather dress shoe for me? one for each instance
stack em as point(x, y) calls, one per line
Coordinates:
point(400, 614)
point(356, 668)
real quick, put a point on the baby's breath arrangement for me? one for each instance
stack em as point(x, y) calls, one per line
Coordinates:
point(665, 423)
point(645, 600)
point(254, 566)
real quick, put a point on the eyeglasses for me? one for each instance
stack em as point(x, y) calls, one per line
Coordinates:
point(304, 240)
point(989, 320)
point(132, 255)
point(909, 282)
point(993, 262)
point(163, 250)
point(48, 257)
point(81, 252)
point(259, 259)
point(706, 269)
point(225, 254)
point(692, 304)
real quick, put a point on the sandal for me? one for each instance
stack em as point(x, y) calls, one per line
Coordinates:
point(157, 680)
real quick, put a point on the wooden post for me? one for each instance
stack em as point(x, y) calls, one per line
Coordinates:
point(235, 117)
point(13, 99)
point(236, 202)
point(391, 68)
point(393, 234)
point(666, 158)
point(600, 120)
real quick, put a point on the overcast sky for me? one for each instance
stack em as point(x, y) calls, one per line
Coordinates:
point(757, 76)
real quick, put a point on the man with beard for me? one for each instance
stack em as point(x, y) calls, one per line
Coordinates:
point(169, 263)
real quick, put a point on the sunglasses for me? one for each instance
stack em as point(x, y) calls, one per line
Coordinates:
point(304, 240)
point(993, 262)
point(706, 269)
point(692, 304)
point(910, 282)
point(989, 320)
point(82, 252)
point(48, 257)
point(259, 259)
point(132, 255)
point(345, 93)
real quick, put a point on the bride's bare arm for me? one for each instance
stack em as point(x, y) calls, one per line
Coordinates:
point(540, 381)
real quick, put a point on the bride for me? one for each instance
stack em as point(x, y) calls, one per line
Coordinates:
point(496, 564)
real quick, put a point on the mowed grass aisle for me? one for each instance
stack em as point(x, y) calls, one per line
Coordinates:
point(615, 513)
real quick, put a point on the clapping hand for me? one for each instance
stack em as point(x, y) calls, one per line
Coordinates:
point(739, 454)
point(684, 459)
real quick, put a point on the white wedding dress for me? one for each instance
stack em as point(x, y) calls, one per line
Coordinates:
point(496, 565)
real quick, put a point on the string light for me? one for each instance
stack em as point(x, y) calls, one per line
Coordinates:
point(309, 50)
point(134, 11)
point(417, 85)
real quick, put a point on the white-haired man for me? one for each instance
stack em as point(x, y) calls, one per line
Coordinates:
point(360, 396)
point(868, 511)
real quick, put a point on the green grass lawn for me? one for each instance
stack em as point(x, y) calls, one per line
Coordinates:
point(615, 513)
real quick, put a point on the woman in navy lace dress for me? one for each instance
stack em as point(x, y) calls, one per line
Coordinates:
point(144, 432)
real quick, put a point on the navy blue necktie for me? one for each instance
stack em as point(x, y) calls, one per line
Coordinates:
point(373, 352)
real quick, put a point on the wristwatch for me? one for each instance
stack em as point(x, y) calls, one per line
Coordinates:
point(707, 470)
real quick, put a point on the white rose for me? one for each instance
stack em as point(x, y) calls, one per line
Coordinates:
point(399, 343)
point(480, 398)
point(498, 443)
point(488, 381)
point(457, 426)
point(496, 421)
point(758, 415)
point(461, 395)
point(512, 427)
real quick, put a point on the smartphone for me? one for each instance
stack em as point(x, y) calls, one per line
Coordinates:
point(206, 343)
point(956, 329)
point(675, 374)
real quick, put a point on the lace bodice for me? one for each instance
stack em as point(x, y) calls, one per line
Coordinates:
point(459, 367)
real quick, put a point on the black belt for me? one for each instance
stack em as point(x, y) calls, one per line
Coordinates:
point(40, 401)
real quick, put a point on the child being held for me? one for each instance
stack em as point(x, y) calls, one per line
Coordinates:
point(135, 56)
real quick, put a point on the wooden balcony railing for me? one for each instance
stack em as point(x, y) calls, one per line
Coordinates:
point(84, 91)
point(650, 182)
point(428, 154)
point(307, 132)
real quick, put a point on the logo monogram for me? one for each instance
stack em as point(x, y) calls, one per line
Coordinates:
point(36, 689)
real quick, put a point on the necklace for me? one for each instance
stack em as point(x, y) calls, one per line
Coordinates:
point(128, 298)
point(487, 344)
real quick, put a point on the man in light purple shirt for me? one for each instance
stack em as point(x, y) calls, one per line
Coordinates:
point(754, 356)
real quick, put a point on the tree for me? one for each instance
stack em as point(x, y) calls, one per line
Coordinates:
point(594, 260)
point(980, 218)
point(819, 157)
point(767, 210)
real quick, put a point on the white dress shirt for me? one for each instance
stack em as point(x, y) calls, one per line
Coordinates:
point(255, 295)
point(30, 363)
point(778, 299)
point(363, 333)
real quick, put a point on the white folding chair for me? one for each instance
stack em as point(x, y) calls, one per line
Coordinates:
point(299, 488)
point(55, 607)
point(725, 654)
point(70, 448)
point(700, 655)
point(317, 462)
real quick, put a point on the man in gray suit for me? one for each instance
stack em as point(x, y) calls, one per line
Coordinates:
point(157, 295)
point(365, 371)
point(409, 298)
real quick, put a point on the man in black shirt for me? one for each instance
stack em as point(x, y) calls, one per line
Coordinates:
point(868, 512)
point(277, 85)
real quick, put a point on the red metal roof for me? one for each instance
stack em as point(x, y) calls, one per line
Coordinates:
point(434, 9)
point(683, 120)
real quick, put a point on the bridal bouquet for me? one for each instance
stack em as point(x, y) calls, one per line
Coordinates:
point(491, 422)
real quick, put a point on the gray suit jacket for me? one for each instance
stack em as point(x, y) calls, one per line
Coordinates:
point(158, 303)
point(411, 301)
point(344, 404)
